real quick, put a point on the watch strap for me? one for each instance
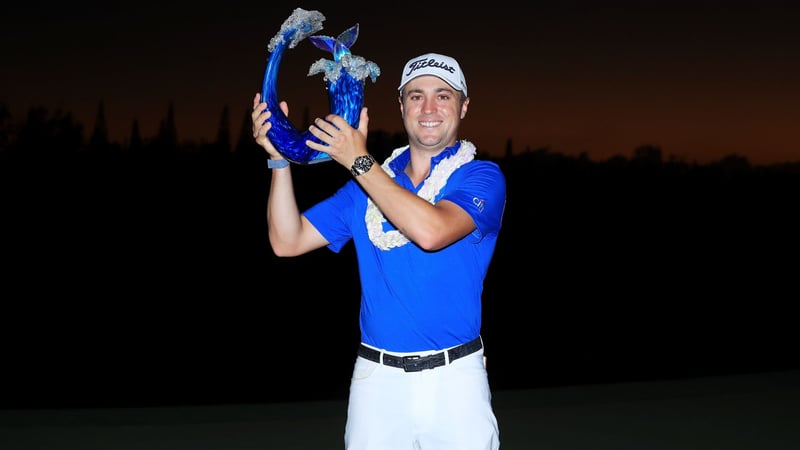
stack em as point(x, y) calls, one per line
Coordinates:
point(277, 163)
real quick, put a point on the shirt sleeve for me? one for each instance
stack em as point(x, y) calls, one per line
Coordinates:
point(332, 216)
point(479, 187)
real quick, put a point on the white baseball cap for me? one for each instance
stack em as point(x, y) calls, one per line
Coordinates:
point(435, 64)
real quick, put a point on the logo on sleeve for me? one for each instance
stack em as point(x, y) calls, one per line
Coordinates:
point(479, 203)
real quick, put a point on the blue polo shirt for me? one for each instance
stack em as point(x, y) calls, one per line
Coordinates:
point(411, 299)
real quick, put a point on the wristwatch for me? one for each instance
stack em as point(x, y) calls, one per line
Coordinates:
point(362, 164)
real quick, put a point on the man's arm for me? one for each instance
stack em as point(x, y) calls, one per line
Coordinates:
point(290, 234)
point(431, 227)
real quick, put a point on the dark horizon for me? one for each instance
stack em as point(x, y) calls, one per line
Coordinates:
point(20, 133)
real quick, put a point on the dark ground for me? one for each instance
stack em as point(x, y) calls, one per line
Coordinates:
point(741, 412)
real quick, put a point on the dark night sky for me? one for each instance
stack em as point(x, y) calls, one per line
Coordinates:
point(700, 79)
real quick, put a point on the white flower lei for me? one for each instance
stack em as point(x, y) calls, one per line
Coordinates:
point(429, 190)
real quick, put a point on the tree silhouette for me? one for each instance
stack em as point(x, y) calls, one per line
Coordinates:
point(136, 143)
point(49, 135)
point(223, 141)
point(167, 137)
point(6, 132)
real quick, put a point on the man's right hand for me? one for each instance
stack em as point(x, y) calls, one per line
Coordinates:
point(261, 125)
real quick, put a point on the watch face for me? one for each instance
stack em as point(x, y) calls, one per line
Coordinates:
point(362, 164)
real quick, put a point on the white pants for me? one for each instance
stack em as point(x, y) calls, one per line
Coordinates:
point(448, 407)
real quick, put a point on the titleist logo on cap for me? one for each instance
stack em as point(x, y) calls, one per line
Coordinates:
point(441, 66)
point(428, 62)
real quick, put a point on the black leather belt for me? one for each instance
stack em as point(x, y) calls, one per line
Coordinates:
point(415, 363)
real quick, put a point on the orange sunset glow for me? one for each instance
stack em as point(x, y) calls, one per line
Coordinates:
point(700, 80)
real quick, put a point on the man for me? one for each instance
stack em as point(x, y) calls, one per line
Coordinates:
point(424, 225)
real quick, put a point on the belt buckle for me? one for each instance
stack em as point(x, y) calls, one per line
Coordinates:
point(415, 363)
